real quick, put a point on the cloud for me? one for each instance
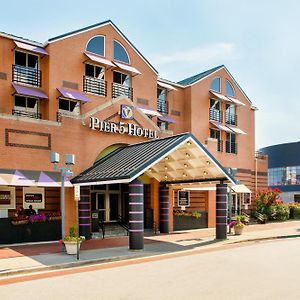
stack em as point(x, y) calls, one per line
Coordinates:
point(202, 54)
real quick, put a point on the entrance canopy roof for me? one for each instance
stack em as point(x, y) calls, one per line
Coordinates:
point(179, 158)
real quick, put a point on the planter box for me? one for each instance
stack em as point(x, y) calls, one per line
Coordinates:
point(71, 247)
point(185, 223)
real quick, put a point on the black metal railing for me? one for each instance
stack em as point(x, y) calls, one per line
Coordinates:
point(119, 89)
point(94, 85)
point(231, 147)
point(220, 146)
point(215, 115)
point(26, 114)
point(123, 223)
point(230, 118)
point(162, 106)
point(26, 75)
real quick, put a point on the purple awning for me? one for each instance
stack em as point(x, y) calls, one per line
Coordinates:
point(73, 95)
point(166, 119)
point(31, 48)
point(29, 91)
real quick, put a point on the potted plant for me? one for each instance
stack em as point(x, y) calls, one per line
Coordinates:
point(238, 224)
point(72, 241)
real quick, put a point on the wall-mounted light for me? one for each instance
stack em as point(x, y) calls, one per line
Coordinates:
point(184, 175)
point(166, 158)
point(166, 176)
point(189, 143)
point(208, 162)
point(150, 170)
point(166, 168)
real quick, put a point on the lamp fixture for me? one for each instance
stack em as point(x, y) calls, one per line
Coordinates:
point(205, 172)
point(189, 143)
point(185, 165)
point(187, 155)
point(150, 170)
point(167, 158)
point(166, 176)
point(184, 175)
point(208, 162)
point(166, 168)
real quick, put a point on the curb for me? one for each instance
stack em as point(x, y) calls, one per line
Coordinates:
point(267, 238)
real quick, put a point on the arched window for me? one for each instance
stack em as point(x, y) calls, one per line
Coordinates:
point(96, 45)
point(229, 89)
point(216, 85)
point(120, 53)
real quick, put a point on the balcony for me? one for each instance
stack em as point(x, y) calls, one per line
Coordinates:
point(162, 106)
point(230, 118)
point(119, 89)
point(26, 114)
point(95, 86)
point(27, 75)
point(215, 115)
point(231, 147)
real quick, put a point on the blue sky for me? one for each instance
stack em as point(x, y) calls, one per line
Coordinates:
point(258, 41)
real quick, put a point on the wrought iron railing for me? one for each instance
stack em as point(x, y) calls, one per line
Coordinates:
point(26, 114)
point(27, 75)
point(231, 147)
point(220, 146)
point(119, 89)
point(215, 115)
point(230, 118)
point(94, 85)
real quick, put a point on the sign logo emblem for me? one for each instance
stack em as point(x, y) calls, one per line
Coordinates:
point(126, 112)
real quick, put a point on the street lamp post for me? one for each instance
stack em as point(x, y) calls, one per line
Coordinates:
point(65, 172)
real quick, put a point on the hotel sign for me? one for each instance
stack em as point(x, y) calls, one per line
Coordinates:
point(122, 128)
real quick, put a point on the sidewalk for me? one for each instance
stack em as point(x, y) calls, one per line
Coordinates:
point(22, 259)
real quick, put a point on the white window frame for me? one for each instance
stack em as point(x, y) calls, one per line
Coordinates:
point(104, 43)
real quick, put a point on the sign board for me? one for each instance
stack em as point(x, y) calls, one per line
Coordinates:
point(183, 198)
point(126, 112)
point(76, 192)
point(247, 199)
point(34, 196)
point(122, 128)
point(7, 198)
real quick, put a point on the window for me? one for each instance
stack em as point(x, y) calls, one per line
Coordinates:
point(230, 116)
point(229, 89)
point(163, 125)
point(26, 107)
point(120, 53)
point(26, 60)
point(93, 81)
point(215, 113)
point(162, 104)
point(216, 134)
point(284, 176)
point(231, 146)
point(121, 85)
point(96, 45)
point(69, 107)
point(216, 85)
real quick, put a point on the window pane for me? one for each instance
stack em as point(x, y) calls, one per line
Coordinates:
point(215, 104)
point(216, 85)
point(120, 53)
point(20, 101)
point(162, 125)
point(89, 70)
point(117, 77)
point(33, 61)
point(96, 45)
point(99, 72)
point(31, 102)
point(63, 104)
point(20, 58)
point(72, 105)
point(229, 89)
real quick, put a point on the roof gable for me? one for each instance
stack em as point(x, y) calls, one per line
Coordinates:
point(98, 25)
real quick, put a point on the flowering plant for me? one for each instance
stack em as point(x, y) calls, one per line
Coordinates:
point(179, 212)
point(37, 218)
point(240, 222)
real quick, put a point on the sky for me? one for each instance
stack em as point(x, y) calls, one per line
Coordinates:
point(258, 41)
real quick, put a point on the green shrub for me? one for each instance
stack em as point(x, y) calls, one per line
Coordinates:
point(279, 212)
point(296, 212)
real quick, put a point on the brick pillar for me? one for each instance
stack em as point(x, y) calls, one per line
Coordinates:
point(84, 212)
point(221, 211)
point(164, 209)
point(136, 215)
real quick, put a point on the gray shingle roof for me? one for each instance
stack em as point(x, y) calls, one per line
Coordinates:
point(125, 163)
point(192, 79)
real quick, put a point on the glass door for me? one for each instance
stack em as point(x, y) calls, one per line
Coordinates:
point(114, 206)
point(101, 206)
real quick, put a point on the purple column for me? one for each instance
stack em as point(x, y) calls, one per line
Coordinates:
point(221, 213)
point(84, 212)
point(136, 215)
point(164, 207)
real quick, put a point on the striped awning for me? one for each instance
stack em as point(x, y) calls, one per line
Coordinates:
point(10, 177)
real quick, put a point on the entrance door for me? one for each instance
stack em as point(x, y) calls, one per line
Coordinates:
point(114, 205)
point(101, 206)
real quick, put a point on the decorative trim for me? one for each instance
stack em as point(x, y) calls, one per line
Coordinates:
point(7, 143)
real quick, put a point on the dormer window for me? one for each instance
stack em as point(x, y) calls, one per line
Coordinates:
point(120, 54)
point(229, 89)
point(96, 45)
point(216, 85)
